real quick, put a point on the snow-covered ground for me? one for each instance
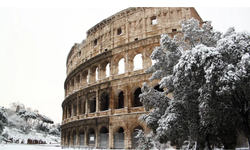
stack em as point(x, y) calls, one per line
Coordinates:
point(17, 134)
point(27, 147)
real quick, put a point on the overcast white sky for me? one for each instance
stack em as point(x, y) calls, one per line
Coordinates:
point(35, 41)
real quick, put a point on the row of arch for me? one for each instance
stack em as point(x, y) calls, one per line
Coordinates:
point(103, 70)
point(95, 103)
point(100, 139)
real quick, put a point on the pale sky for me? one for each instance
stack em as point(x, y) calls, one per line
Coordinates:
point(35, 42)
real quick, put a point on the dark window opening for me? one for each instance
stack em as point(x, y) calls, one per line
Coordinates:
point(137, 102)
point(121, 100)
point(106, 50)
point(119, 31)
point(104, 102)
point(120, 130)
point(70, 63)
point(174, 30)
point(69, 112)
point(153, 20)
point(95, 42)
point(79, 53)
point(136, 39)
point(93, 106)
point(104, 130)
point(158, 88)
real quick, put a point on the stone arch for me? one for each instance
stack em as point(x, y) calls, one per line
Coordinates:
point(103, 136)
point(78, 79)
point(81, 137)
point(91, 136)
point(74, 138)
point(72, 84)
point(69, 111)
point(74, 107)
point(84, 77)
point(104, 101)
point(121, 66)
point(135, 100)
point(82, 106)
point(119, 138)
point(92, 77)
point(68, 138)
point(105, 69)
point(119, 99)
point(116, 61)
point(92, 105)
point(137, 62)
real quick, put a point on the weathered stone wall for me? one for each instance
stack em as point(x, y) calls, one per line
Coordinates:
point(97, 106)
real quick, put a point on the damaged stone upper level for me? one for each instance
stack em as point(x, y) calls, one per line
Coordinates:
point(126, 26)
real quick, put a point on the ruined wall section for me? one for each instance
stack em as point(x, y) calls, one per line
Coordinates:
point(127, 26)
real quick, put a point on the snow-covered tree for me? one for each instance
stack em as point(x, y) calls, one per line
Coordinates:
point(208, 76)
point(3, 115)
point(27, 115)
point(17, 106)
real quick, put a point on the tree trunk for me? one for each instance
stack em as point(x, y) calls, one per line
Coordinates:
point(208, 145)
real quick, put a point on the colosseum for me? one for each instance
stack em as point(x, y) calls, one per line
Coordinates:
point(101, 105)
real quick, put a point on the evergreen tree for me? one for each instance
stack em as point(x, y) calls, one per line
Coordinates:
point(208, 76)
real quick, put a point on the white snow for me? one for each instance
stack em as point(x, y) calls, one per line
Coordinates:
point(17, 134)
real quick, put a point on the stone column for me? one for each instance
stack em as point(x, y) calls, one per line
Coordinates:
point(77, 106)
point(97, 101)
point(77, 137)
point(86, 105)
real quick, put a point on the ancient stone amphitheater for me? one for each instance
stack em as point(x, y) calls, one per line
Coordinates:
point(101, 105)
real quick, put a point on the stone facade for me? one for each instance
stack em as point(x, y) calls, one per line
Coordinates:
point(101, 105)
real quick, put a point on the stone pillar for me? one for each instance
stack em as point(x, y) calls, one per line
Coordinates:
point(100, 72)
point(77, 106)
point(97, 140)
point(86, 105)
point(128, 141)
point(97, 101)
point(89, 76)
point(72, 110)
point(111, 137)
point(77, 137)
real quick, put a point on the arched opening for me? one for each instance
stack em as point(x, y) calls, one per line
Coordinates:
point(68, 139)
point(121, 66)
point(137, 102)
point(78, 79)
point(91, 136)
point(135, 143)
point(92, 107)
point(81, 135)
point(82, 104)
point(72, 83)
point(69, 112)
point(104, 101)
point(74, 138)
point(157, 87)
point(74, 110)
point(104, 136)
point(119, 139)
point(108, 70)
point(121, 100)
point(84, 77)
point(138, 62)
